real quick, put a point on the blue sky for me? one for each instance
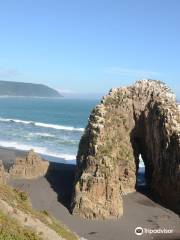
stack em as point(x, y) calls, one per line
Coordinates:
point(90, 46)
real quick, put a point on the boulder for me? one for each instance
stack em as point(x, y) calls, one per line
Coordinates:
point(32, 166)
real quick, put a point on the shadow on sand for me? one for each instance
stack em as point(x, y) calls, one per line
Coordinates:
point(61, 178)
point(146, 191)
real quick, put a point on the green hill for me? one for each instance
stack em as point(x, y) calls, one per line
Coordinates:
point(8, 88)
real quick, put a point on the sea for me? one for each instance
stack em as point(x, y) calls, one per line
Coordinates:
point(50, 126)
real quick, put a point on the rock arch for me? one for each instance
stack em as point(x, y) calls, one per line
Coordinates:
point(141, 119)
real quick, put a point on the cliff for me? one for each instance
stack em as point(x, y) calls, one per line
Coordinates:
point(17, 218)
point(143, 119)
point(8, 88)
point(19, 221)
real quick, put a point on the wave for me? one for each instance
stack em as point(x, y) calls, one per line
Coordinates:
point(14, 120)
point(60, 127)
point(51, 137)
point(40, 150)
point(40, 124)
point(43, 134)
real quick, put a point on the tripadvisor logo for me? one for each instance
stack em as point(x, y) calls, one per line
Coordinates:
point(139, 231)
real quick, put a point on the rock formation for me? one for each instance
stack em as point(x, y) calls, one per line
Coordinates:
point(2, 173)
point(31, 166)
point(141, 119)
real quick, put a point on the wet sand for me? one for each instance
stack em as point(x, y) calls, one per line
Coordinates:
point(53, 192)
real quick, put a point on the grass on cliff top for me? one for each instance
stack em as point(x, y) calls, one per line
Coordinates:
point(19, 200)
point(11, 230)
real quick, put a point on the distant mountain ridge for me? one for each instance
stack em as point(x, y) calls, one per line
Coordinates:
point(9, 88)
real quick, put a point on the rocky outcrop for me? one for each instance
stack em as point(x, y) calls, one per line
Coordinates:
point(32, 166)
point(143, 119)
point(2, 173)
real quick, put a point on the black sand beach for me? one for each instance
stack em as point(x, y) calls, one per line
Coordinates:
point(53, 192)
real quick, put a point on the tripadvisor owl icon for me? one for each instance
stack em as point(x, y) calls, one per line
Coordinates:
point(139, 231)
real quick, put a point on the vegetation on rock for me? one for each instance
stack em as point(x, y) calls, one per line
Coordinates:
point(18, 221)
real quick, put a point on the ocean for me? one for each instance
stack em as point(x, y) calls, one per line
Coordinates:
point(52, 127)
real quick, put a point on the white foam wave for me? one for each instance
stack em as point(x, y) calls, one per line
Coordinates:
point(40, 150)
point(44, 125)
point(14, 120)
point(41, 134)
point(60, 127)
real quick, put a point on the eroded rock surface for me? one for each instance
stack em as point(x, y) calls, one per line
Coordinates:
point(141, 119)
point(31, 166)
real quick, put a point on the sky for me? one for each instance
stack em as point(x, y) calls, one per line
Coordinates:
point(90, 46)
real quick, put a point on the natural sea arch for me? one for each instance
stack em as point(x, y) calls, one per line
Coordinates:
point(142, 119)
